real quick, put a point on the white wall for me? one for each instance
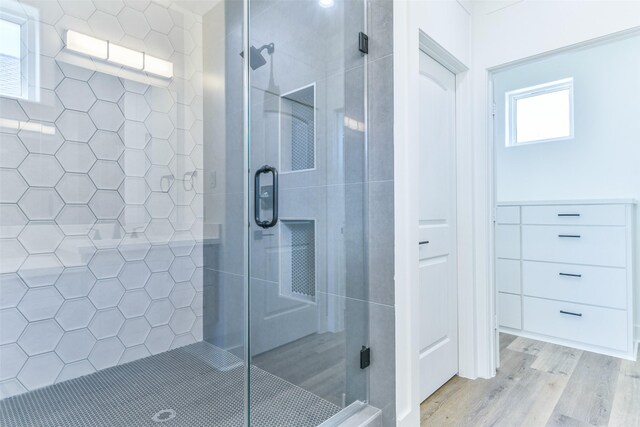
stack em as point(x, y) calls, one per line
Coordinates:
point(448, 23)
point(508, 31)
point(601, 161)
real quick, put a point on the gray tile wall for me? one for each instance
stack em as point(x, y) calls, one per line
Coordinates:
point(101, 226)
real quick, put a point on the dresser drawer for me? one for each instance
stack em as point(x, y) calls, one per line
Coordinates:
point(574, 214)
point(508, 214)
point(604, 327)
point(603, 286)
point(510, 310)
point(604, 246)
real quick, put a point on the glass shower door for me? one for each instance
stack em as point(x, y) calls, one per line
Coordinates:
point(307, 157)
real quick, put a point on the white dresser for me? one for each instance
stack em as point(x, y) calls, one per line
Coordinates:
point(565, 273)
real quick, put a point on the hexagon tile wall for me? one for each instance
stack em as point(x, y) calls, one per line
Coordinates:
point(101, 250)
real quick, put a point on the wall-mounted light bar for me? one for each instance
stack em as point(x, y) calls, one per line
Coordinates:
point(111, 52)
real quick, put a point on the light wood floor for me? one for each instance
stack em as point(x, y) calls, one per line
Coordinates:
point(541, 384)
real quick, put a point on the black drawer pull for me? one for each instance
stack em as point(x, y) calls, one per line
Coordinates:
point(570, 275)
point(424, 242)
point(572, 236)
point(570, 313)
point(568, 214)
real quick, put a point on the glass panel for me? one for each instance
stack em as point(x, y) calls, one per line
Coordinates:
point(308, 282)
point(122, 216)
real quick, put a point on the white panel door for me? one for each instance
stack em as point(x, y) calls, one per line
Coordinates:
point(436, 233)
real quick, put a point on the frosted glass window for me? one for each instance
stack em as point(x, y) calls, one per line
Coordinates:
point(540, 113)
point(10, 59)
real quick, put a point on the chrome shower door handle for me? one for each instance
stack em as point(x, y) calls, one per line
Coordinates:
point(257, 197)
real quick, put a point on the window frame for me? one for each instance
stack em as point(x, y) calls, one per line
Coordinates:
point(511, 111)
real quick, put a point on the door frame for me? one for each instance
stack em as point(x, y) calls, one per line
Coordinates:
point(406, 119)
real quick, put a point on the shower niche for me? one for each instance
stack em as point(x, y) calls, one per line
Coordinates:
point(298, 259)
point(298, 130)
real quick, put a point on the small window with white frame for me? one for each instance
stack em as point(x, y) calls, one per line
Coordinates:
point(19, 56)
point(541, 113)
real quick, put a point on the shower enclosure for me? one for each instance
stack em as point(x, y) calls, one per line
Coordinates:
point(183, 212)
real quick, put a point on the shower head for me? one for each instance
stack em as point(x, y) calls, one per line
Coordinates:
point(256, 60)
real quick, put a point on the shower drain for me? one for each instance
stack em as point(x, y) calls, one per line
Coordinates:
point(164, 415)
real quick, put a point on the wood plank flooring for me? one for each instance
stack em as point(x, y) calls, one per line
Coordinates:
point(541, 384)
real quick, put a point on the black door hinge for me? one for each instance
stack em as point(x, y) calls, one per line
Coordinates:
point(365, 357)
point(363, 42)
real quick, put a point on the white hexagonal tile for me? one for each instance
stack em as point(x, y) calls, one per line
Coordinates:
point(181, 40)
point(159, 178)
point(134, 247)
point(106, 145)
point(106, 26)
point(134, 163)
point(106, 323)
point(106, 234)
point(184, 146)
point(134, 303)
point(159, 339)
point(13, 289)
point(134, 134)
point(134, 106)
point(134, 331)
point(40, 270)
point(106, 204)
point(75, 251)
point(106, 263)
point(40, 371)
point(134, 353)
point(75, 282)
point(75, 370)
point(42, 142)
point(70, 70)
point(182, 295)
point(41, 203)
point(182, 218)
point(159, 152)
point(106, 353)
point(159, 205)
point(76, 126)
point(160, 285)
point(112, 7)
point(12, 152)
point(75, 220)
point(13, 221)
point(46, 109)
point(13, 186)
point(134, 218)
point(106, 87)
point(159, 99)
point(106, 116)
point(159, 231)
point(159, 312)
point(197, 330)
point(158, 45)
point(40, 337)
point(12, 255)
point(133, 22)
point(75, 314)
point(182, 269)
point(11, 110)
point(159, 18)
point(134, 275)
point(75, 188)
point(106, 293)
point(80, 9)
point(134, 190)
point(182, 340)
point(41, 237)
point(75, 94)
point(40, 303)
point(106, 174)
point(197, 305)
point(13, 323)
point(50, 74)
point(159, 125)
point(133, 85)
point(159, 258)
point(197, 255)
point(76, 157)
point(12, 359)
point(41, 170)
